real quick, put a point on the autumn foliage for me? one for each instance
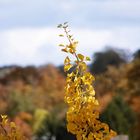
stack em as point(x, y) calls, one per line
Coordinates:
point(33, 97)
point(82, 116)
point(9, 130)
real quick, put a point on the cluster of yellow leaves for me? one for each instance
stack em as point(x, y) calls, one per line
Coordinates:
point(8, 130)
point(82, 115)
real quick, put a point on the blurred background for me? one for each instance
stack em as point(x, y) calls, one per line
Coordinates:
point(31, 65)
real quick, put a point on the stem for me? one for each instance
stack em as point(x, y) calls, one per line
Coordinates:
point(70, 41)
point(3, 129)
point(65, 30)
point(76, 57)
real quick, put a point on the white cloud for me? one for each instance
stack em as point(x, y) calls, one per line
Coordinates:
point(25, 13)
point(24, 46)
point(97, 23)
point(39, 45)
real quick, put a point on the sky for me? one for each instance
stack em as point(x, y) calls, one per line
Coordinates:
point(29, 33)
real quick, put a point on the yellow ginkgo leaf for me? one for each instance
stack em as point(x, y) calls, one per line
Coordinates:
point(72, 46)
point(67, 67)
point(82, 117)
point(71, 51)
point(12, 125)
point(64, 50)
point(3, 116)
point(80, 56)
point(67, 60)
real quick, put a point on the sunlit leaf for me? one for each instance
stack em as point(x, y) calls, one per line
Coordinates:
point(71, 51)
point(67, 60)
point(12, 125)
point(81, 57)
point(67, 67)
point(64, 50)
point(82, 118)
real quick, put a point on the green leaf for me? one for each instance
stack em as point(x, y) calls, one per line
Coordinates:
point(61, 35)
point(88, 58)
point(70, 36)
point(61, 45)
point(65, 23)
point(59, 26)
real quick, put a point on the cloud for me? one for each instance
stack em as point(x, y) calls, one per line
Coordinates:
point(28, 34)
point(38, 46)
point(26, 46)
point(97, 13)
